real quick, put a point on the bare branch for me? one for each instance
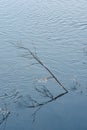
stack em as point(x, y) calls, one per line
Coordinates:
point(42, 64)
point(43, 90)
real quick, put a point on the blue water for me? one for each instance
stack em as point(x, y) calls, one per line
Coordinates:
point(56, 32)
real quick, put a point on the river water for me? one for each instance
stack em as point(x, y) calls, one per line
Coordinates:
point(56, 32)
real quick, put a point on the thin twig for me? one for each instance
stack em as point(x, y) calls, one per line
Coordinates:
point(44, 66)
point(44, 91)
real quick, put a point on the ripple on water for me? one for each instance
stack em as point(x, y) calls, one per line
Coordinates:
point(55, 31)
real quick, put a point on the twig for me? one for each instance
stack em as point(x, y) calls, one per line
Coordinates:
point(44, 91)
point(44, 66)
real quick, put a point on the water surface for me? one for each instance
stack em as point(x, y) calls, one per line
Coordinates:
point(55, 31)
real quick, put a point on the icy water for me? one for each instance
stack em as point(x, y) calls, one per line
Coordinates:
point(56, 32)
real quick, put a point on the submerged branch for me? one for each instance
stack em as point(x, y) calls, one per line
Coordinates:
point(43, 91)
point(35, 104)
point(43, 65)
point(38, 106)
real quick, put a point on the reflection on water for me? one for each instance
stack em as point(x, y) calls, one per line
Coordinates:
point(55, 32)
